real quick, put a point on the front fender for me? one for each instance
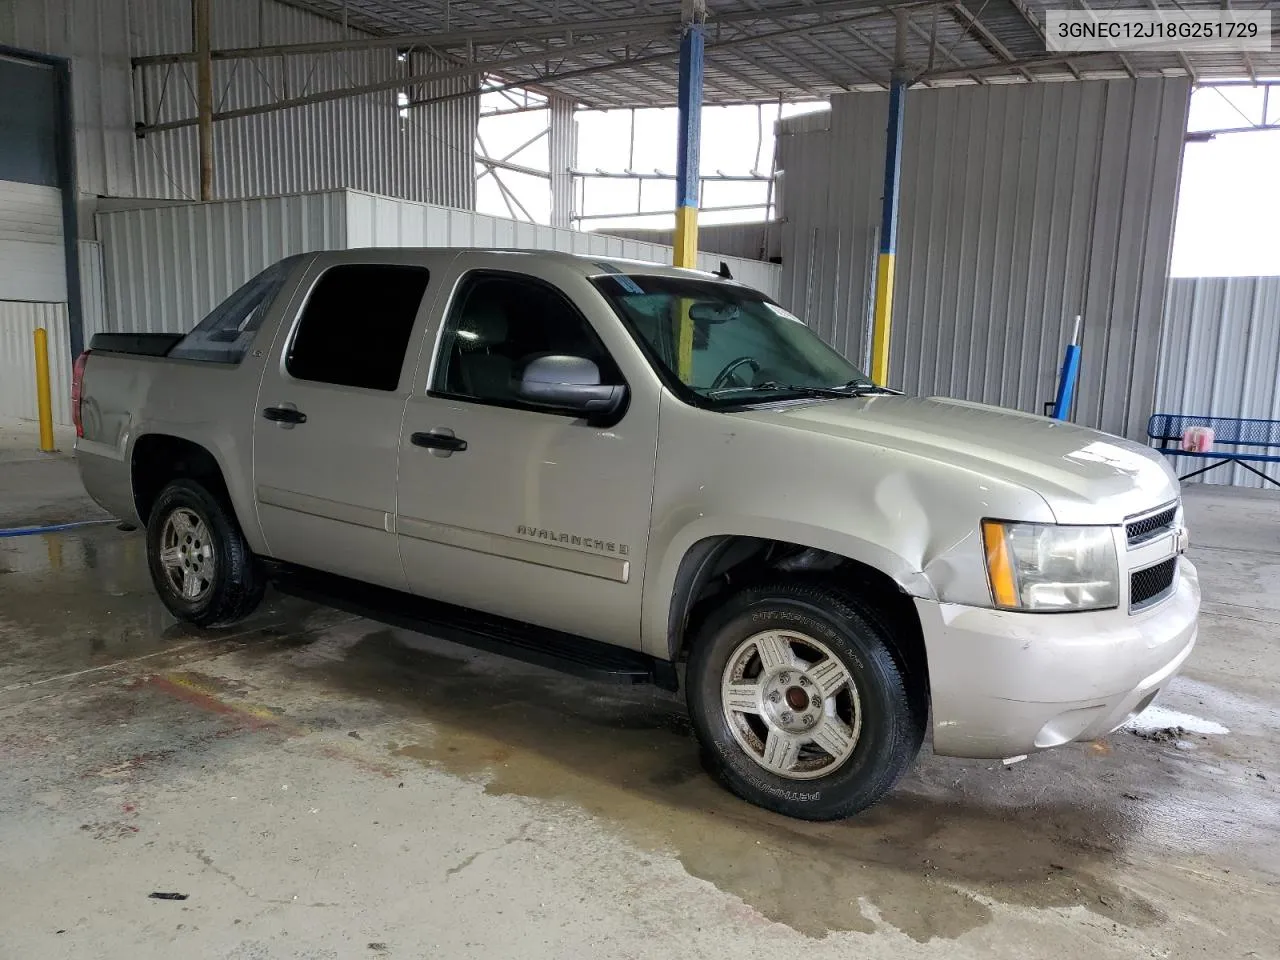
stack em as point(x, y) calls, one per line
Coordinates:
point(661, 586)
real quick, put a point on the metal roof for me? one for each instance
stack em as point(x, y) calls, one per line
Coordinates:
point(613, 53)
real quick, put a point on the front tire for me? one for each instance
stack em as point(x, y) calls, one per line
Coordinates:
point(200, 563)
point(799, 703)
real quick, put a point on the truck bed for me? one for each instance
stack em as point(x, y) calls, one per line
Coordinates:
point(140, 344)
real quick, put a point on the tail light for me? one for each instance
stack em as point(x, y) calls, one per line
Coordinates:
point(77, 391)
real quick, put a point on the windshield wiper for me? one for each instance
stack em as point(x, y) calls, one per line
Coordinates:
point(773, 386)
point(862, 388)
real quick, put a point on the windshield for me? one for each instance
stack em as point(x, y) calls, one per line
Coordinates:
point(726, 343)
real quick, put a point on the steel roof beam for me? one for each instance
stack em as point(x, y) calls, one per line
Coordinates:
point(930, 38)
point(1124, 61)
point(1244, 54)
point(395, 83)
point(1182, 57)
point(712, 46)
point(449, 38)
point(534, 30)
point(738, 75)
point(1034, 24)
point(1030, 63)
point(974, 27)
point(790, 79)
point(772, 45)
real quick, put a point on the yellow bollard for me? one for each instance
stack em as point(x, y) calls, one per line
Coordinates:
point(43, 402)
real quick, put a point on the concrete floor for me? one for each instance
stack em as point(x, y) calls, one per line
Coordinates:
point(318, 785)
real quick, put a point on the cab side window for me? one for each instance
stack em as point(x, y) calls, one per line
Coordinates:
point(497, 325)
point(355, 329)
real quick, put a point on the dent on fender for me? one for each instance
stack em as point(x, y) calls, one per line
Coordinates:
point(941, 554)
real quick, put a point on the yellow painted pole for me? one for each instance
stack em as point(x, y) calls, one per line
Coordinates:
point(43, 402)
point(883, 316)
point(689, 101)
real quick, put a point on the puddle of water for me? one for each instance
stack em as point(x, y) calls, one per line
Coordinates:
point(1045, 833)
point(83, 601)
point(629, 758)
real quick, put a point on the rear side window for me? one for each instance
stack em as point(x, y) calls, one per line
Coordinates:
point(224, 336)
point(355, 329)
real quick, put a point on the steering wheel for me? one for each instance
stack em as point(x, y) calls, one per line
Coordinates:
point(723, 376)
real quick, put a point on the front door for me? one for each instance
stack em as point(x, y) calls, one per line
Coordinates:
point(329, 408)
point(510, 509)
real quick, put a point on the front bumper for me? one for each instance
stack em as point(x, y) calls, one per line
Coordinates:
point(1005, 684)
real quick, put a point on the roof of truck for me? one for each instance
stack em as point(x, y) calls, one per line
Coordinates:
point(591, 266)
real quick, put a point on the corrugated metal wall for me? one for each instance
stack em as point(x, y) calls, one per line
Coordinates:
point(1220, 356)
point(1021, 206)
point(356, 142)
point(383, 221)
point(33, 259)
point(167, 266)
point(18, 323)
point(752, 241)
point(93, 296)
point(96, 35)
point(360, 142)
point(562, 154)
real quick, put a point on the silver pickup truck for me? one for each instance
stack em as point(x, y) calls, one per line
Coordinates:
point(640, 473)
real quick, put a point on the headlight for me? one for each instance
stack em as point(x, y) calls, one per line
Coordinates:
point(1043, 567)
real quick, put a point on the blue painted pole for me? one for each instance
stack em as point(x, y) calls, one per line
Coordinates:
point(1067, 378)
point(888, 233)
point(689, 101)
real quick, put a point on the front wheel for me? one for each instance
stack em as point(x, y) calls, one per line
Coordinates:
point(200, 564)
point(799, 703)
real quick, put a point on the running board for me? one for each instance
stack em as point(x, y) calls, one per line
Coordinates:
point(565, 652)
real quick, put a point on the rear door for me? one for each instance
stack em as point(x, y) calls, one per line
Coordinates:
point(329, 410)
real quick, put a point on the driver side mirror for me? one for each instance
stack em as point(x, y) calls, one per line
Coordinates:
point(570, 384)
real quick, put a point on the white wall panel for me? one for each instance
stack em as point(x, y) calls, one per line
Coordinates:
point(96, 36)
point(93, 295)
point(32, 257)
point(562, 157)
point(1021, 206)
point(18, 323)
point(750, 241)
point(1220, 357)
point(167, 266)
point(355, 142)
point(359, 142)
point(384, 221)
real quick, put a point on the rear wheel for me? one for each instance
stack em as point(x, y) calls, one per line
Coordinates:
point(200, 564)
point(799, 702)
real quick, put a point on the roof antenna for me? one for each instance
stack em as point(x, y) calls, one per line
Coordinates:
point(723, 272)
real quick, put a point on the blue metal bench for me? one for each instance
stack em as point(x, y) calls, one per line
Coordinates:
point(1264, 435)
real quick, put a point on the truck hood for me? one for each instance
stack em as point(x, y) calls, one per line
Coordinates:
point(1084, 475)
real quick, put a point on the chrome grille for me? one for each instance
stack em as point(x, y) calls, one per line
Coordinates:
point(1150, 584)
point(1151, 526)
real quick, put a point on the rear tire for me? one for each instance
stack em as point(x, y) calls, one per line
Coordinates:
point(200, 563)
point(799, 703)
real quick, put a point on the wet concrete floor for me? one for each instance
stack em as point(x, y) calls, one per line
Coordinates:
point(319, 785)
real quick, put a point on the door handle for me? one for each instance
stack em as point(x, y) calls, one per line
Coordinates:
point(439, 441)
point(284, 415)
